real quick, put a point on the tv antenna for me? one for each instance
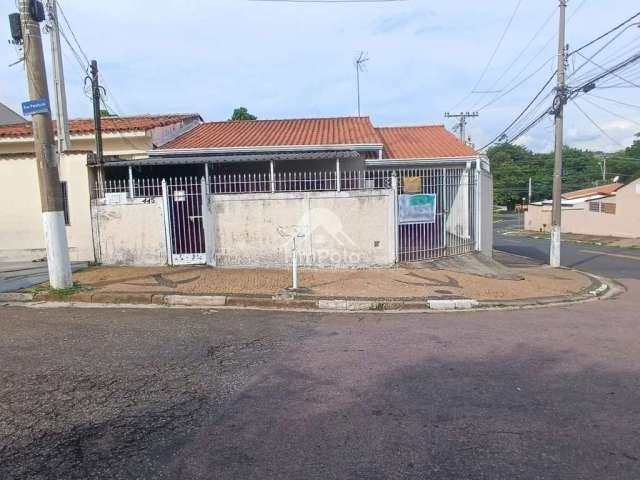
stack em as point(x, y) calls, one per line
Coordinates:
point(360, 62)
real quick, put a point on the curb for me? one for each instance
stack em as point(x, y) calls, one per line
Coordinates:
point(16, 297)
point(601, 288)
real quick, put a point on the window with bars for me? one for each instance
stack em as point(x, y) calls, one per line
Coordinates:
point(602, 207)
point(65, 203)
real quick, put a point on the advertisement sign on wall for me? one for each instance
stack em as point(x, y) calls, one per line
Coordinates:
point(417, 208)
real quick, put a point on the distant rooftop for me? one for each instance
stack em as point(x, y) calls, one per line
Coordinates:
point(419, 142)
point(8, 116)
point(604, 190)
point(109, 124)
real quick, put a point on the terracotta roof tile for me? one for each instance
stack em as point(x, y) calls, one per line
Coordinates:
point(269, 133)
point(588, 192)
point(422, 142)
point(109, 124)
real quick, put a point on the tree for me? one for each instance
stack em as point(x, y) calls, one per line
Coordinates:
point(242, 113)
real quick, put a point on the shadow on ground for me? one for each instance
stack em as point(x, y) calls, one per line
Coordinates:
point(522, 415)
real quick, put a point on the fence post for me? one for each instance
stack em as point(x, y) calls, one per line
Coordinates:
point(167, 222)
point(208, 225)
point(272, 173)
point(396, 227)
point(337, 174)
point(131, 191)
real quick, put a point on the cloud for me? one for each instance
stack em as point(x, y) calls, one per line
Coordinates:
point(289, 59)
point(413, 21)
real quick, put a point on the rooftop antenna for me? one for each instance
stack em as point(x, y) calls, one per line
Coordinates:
point(360, 62)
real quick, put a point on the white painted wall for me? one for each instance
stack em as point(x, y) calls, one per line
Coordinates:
point(21, 233)
point(341, 229)
point(131, 234)
point(578, 219)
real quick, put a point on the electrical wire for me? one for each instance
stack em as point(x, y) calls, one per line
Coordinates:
point(522, 113)
point(518, 57)
point(595, 124)
point(614, 101)
point(493, 55)
point(604, 109)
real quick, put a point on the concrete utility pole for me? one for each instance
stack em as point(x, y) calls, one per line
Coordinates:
point(603, 167)
point(558, 106)
point(97, 120)
point(62, 118)
point(462, 123)
point(46, 158)
point(530, 189)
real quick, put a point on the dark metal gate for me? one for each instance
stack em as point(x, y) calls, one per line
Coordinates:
point(185, 222)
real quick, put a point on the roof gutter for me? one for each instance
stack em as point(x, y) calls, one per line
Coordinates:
point(78, 136)
point(388, 162)
point(263, 149)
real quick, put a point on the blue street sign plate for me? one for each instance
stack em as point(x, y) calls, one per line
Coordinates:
point(35, 106)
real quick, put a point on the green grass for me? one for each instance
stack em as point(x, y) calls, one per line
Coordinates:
point(47, 291)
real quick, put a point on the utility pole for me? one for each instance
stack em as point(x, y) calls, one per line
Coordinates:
point(530, 189)
point(558, 107)
point(45, 151)
point(360, 61)
point(97, 120)
point(62, 117)
point(462, 123)
point(603, 167)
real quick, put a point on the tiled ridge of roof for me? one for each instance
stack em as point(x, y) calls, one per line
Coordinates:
point(109, 124)
point(588, 192)
point(284, 132)
point(426, 141)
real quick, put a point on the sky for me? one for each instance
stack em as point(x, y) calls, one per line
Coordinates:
point(292, 60)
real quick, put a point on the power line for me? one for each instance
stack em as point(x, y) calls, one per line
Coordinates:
point(493, 55)
point(595, 124)
point(519, 56)
point(521, 114)
point(610, 112)
point(597, 39)
point(613, 73)
point(64, 17)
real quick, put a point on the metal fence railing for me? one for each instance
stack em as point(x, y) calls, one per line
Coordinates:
point(452, 230)
point(258, 183)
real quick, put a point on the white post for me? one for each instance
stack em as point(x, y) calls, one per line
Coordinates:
point(272, 173)
point(396, 227)
point(206, 176)
point(294, 263)
point(131, 190)
point(478, 206)
point(338, 174)
point(167, 222)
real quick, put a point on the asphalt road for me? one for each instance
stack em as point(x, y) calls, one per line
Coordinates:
point(200, 394)
point(612, 262)
point(203, 394)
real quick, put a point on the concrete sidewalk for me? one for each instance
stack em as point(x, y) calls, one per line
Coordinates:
point(18, 275)
point(428, 281)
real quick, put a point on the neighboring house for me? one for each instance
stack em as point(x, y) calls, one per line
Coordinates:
point(21, 234)
point(8, 116)
point(607, 210)
point(237, 192)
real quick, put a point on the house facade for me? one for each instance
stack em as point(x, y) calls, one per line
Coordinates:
point(174, 190)
point(21, 233)
point(607, 210)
